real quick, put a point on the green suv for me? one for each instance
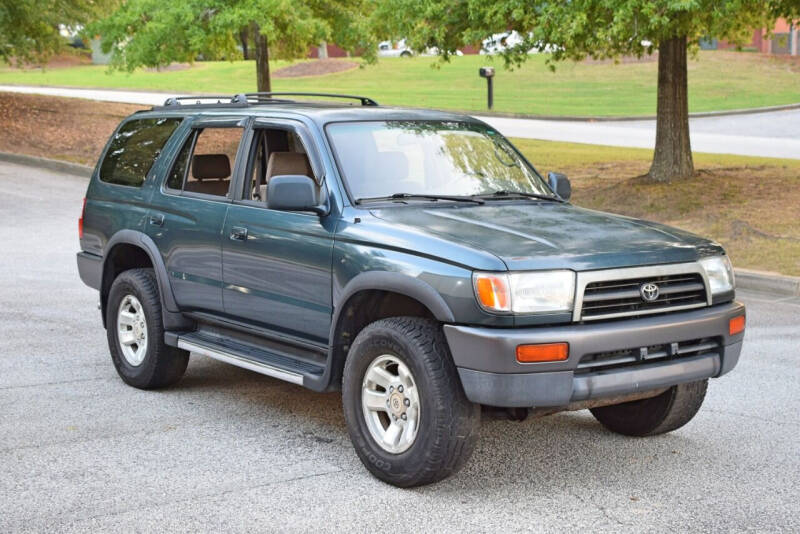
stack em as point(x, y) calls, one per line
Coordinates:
point(413, 259)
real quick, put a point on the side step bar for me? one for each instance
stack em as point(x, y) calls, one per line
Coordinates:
point(239, 361)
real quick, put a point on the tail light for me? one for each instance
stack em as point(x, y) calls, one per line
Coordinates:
point(80, 220)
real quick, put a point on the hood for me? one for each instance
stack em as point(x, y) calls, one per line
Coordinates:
point(544, 235)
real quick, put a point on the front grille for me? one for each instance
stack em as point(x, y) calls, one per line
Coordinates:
point(622, 298)
point(602, 361)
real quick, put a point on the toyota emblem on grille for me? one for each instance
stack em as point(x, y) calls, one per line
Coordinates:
point(649, 291)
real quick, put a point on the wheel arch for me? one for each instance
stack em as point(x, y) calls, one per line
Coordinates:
point(371, 296)
point(129, 249)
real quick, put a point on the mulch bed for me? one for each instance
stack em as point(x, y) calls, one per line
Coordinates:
point(314, 68)
point(68, 129)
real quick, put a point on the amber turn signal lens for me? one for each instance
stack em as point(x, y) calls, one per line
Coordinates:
point(736, 325)
point(493, 292)
point(545, 352)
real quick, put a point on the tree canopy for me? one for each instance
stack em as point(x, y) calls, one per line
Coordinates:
point(29, 29)
point(577, 29)
point(155, 33)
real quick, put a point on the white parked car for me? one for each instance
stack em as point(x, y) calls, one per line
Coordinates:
point(401, 49)
point(497, 43)
point(394, 49)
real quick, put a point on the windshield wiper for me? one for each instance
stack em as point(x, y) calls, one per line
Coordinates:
point(413, 196)
point(503, 194)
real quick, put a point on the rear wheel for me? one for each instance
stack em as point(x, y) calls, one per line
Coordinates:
point(656, 415)
point(406, 411)
point(136, 333)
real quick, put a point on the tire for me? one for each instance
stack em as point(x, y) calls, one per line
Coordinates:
point(148, 363)
point(405, 53)
point(657, 415)
point(448, 422)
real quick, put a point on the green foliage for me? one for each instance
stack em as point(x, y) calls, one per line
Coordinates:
point(576, 29)
point(29, 28)
point(156, 33)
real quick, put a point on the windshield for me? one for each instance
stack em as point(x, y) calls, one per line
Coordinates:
point(381, 159)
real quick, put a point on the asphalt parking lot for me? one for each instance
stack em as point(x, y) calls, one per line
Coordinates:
point(227, 449)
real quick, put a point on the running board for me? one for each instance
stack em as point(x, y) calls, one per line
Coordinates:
point(240, 361)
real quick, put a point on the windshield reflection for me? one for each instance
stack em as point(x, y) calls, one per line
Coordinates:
point(380, 159)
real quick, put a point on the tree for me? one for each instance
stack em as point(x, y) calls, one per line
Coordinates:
point(155, 33)
point(577, 29)
point(29, 29)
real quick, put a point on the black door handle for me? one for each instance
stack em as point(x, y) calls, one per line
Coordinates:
point(238, 233)
point(157, 219)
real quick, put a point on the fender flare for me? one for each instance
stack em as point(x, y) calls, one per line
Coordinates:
point(398, 283)
point(143, 241)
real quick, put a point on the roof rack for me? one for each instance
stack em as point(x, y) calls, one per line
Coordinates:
point(220, 99)
point(244, 99)
point(269, 96)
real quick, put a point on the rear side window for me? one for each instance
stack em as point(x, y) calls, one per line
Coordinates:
point(134, 148)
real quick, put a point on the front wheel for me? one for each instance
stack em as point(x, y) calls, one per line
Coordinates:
point(657, 415)
point(408, 417)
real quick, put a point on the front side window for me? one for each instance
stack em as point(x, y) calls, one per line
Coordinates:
point(381, 159)
point(275, 152)
point(206, 161)
point(134, 149)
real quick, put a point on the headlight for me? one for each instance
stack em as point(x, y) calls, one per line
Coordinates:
point(720, 274)
point(528, 292)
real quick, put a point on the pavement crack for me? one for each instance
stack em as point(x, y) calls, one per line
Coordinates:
point(603, 510)
point(54, 383)
point(213, 495)
point(748, 416)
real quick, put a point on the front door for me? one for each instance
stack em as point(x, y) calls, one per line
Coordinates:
point(188, 212)
point(277, 264)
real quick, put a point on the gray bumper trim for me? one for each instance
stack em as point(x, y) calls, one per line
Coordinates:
point(644, 378)
point(494, 349)
point(490, 374)
point(561, 388)
point(90, 268)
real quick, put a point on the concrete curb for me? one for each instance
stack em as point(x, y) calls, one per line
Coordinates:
point(745, 278)
point(47, 163)
point(768, 282)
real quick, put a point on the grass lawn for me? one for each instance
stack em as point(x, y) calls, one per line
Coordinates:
point(750, 205)
point(718, 80)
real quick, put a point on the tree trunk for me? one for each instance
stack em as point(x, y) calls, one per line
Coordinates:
point(672, 159)
point(244, 37)
point(262, 62)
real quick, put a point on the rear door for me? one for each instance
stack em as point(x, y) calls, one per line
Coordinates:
point(277, 264)
point(188, 211)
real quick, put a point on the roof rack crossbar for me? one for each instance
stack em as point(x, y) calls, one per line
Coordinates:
point(220, 99)
point(365, 101)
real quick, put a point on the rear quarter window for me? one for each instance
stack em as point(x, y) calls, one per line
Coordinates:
point(134, 148)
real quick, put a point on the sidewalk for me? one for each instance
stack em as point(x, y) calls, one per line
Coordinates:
point(773, 134)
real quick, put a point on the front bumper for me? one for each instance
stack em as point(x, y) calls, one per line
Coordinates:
point(491, 375)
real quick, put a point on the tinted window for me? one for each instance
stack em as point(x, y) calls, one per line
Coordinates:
point(178, 173)
point(134, 148)
point(206, 161)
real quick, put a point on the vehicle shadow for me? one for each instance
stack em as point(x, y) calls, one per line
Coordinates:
point(569, 451)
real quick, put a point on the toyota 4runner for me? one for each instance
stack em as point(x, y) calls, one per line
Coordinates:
point(413, 259)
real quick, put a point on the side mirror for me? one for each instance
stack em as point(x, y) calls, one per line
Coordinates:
point(294, 192)
point(560, 185)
